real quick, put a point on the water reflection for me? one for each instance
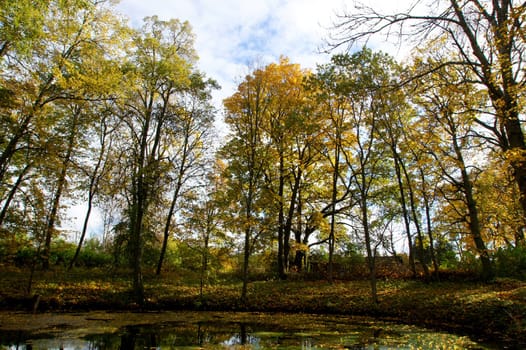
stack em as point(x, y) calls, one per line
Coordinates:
point(246, 335)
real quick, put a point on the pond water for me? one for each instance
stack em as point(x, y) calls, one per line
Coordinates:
point(224, 331)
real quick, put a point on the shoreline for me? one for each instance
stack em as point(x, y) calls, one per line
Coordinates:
point(494, 312)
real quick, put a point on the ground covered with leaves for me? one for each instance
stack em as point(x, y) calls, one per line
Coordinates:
point(492, 311)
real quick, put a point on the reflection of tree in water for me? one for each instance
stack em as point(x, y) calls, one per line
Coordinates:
point(234, 334)
point(104, 342)
point(203, 336)
point(128, 339)
point(242, 338)
point(137, 337)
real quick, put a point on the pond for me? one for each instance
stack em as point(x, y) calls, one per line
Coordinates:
point(206, 330)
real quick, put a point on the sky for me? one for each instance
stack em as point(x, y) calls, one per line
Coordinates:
point(233, 35)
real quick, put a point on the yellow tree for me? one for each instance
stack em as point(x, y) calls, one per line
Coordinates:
point(160, 67)
point(289, 132)
point(246, 156)
point(500, 218)
point(56, 71)
point(486, 37)
point(448, 114)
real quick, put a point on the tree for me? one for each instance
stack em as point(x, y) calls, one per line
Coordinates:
point(246, 157)
point(423, 182)
point(98, 168)
point(71, 133)
point(21, 25)
point(499, 208)
point(391, 128)
point(160, 67)
point(54, 68)
point(190, 143)
point(449, 117)
point(367, 75)
point(329, 87)
point(486, 37)
point(288, 132)
point(203, 219)
point(50, 76)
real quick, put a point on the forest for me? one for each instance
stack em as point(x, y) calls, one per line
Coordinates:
point(361, 168)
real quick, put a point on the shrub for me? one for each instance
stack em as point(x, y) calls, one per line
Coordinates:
point(511, 262)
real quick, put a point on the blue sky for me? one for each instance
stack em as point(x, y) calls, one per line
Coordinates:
point(232, 35)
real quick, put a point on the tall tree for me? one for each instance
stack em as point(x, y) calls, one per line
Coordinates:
point(246, 156)
point(367, 76)
point(160, 66)
point(449, 118)
point(71, 133)
point(329, 86)
point(486, 37)
point(54, 68)
point(190, 145)
point(53, 73)
point(96, 168)
point(287, 129)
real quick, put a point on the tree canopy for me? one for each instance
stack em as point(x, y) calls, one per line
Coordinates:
point(360, 157)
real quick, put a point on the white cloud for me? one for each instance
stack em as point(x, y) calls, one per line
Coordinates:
point(233, 34)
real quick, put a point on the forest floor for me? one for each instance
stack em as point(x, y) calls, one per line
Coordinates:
point(492, 311)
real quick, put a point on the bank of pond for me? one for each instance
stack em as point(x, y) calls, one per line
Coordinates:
point(492, 313)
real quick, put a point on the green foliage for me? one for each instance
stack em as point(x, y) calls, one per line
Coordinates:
point(94, 254)
point(25, 256)
point(469, 262)
point(511, 262)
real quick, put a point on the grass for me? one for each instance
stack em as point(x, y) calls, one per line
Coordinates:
point(491, 311)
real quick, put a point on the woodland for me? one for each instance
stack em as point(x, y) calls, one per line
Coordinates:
point(362, 169)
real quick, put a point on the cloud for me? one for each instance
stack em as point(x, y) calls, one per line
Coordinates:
point(232, 35)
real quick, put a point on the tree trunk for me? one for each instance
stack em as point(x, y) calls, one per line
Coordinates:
point(404, 211)
point(473, 218)
point(246, 257)
point(428, 223)
point(287, 230)
point(416, 219)
point(138, 208)
point(61, 183)
point(92, 189)
point(248, 234)
point(136, 242)
point(179, 185)
point(168, 223)
point(166, 233)
point(334, 194)
point(12, 192)
point(83, 232)
point(281, 221)
point(368, 246)
point(204, 261)
point(11, 147)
